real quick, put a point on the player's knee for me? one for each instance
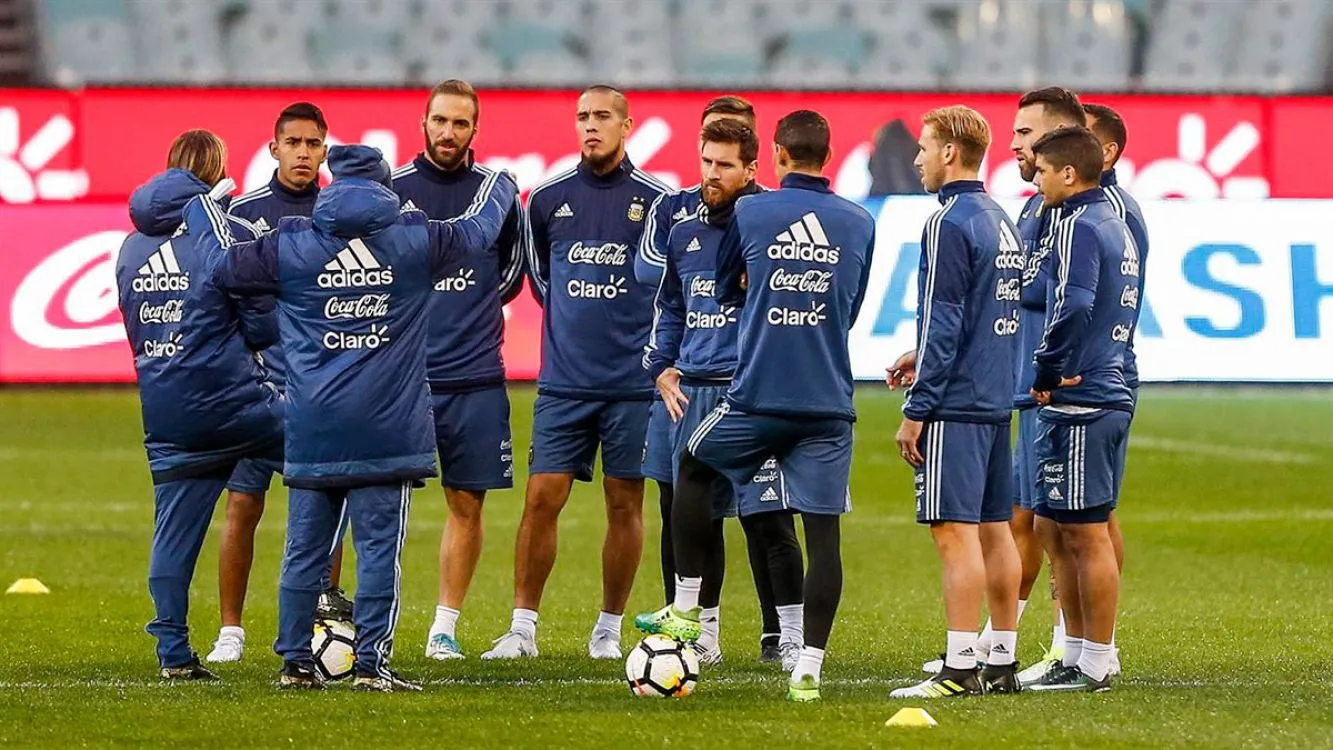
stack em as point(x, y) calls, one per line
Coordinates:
point(464, 507)
point(245, 508)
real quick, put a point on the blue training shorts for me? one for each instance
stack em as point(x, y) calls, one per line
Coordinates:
point(815, 455)
point(1025, 460)
point(473, 440)
point(966, 475)
point(1079, 460)
point(566, 433)
point(253, 475)
point(658, 457)
point(764, 491)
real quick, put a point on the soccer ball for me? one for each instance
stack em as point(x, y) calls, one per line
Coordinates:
point(662, 667)
point(334, 647)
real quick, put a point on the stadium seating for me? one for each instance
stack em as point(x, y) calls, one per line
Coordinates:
point(1164, 45)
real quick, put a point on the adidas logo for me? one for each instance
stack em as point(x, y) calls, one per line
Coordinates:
point(262, 225)
point(680, 215)
point(804, 240)
point(1054, 494)
point(161, 273)
point(999, 649)
point(354, 266)
point(564, 212)
point(769, 495)
point(694, 245)
point(408, 206)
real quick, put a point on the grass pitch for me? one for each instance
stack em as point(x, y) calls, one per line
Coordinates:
point(1224, 627)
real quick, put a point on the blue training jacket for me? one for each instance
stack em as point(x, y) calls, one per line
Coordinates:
point(204, 400)
point(1034, 229)
point(265, 207)
point(691, 330)
point(581, 233)
point(1093, 302)
point(797, 261)
point(968, 289)
point(353, 285)
point(466, 328)
point(668, 210)
point(1128, 209)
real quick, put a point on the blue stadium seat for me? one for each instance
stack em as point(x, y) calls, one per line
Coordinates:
point(179, 41)
point(87, 41)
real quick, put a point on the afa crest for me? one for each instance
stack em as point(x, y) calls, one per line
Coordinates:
point(635, 212)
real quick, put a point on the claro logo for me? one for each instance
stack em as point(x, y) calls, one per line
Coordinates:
point(68, 301)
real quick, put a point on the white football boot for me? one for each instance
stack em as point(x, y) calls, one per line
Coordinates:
point(512, 645)
point(604, 644)
point(229, 647)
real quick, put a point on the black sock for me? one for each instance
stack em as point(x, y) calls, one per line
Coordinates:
point(715, 569)
point(692, 516)
point(823, 579)
point(665, 490)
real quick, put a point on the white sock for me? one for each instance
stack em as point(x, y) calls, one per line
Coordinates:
point(791, 621)
point(960, 653)
point(609, 623)
point(233, 630)
point(1073, 650)
point(687, 593)
point(710, 625)
point(1003, 648)
point(810, 663)
point(446, 621)
point(1095, 661)
point(1022, 605)
point(1058, 631)
point(984, 640)
point(525, 622)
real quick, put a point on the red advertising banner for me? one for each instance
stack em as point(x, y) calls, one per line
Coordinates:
point(58, 291)
point(99, 144)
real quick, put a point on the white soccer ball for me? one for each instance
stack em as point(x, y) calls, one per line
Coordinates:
point(662, 667)
point(334, 647)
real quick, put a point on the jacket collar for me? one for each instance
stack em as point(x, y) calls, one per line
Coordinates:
point(430, 171)
point(308, 195)
point(1085, 198)
point(806, 182)
point(1108, 178)
point(722, 215)
point(610, 179)
point(958, 187)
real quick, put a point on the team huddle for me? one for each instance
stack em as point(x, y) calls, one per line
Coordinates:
point(349, 337)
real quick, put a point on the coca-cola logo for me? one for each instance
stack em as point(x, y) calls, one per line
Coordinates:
point(365, 306)
point(812, 281)
point(68, 301)
point(170, 311)
point(607, 254)
point(701, 287)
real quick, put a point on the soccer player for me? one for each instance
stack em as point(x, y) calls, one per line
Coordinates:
point(1086, 402)
point(692, 355)
point(353, 285)
point(463, 363)
point(206, 405)
point(1039, 112)
point(298, 146)
point(1109, 127)
point(661, 453)
point(582, 230)
point(955, 429)
point(791, 395)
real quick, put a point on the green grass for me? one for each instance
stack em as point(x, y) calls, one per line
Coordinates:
point(1224, 630)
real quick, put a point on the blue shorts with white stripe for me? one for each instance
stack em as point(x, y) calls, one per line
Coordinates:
point(1079, 462)
point(967, 474)
point(815, 456)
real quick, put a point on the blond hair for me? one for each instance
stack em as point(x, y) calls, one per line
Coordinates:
point(963, 127)
point(201, 153)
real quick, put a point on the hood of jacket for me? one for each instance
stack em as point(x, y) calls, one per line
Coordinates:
point(156, 206)
point(359, 201)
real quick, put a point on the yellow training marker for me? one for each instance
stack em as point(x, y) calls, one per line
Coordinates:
point(28, 586)
point(912, 717)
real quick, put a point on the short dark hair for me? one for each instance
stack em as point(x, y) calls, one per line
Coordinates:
point(300, 111)
point(731, 106)
point(618, 96)
point(1108, 126)
point(1075, 147)
point(805, 135)
point(1057, 101)
point(456, 87)
point(732, 131)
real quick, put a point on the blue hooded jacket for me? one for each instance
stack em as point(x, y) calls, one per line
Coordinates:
point(203, 394)
point(353, 285)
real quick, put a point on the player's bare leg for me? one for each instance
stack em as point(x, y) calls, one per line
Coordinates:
point(1065, 575)
point(460, 549)
point(236, 556)
point(1117, 542)
point(1097, 582)
point(534, 557)
point(621, 551)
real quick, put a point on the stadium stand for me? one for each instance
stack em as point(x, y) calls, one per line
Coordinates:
point(1155, 45)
